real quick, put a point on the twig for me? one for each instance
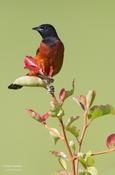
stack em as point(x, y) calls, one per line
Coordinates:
point(98, 153)
point(68, 147)
point(53, 96)
point(83, 130)
point(103, 152)
point(63, 130)
point(85, 125)
point(66, 140)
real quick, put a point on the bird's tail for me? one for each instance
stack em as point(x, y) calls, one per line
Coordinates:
point(14, 86)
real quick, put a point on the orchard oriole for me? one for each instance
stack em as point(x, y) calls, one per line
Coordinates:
point(49, 55)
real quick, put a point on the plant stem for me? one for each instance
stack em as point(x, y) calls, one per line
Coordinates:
point(77, 162)
point(83, 130)
point(66, 140)
point(85, 125)
point(68, 147)
point(53, 96)
point(103, 152)
point(94, 154)
point(99, 153)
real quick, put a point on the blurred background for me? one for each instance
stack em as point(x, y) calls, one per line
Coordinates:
point(87, 29)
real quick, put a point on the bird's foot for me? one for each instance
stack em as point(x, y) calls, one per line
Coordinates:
point(50, 89)
point(46, 78)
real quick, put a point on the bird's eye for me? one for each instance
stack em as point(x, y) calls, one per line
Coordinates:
point(44, 27)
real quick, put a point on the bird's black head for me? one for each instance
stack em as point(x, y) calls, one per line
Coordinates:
point(46, 30)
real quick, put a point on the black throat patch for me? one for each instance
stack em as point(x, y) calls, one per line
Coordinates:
point(50, 41)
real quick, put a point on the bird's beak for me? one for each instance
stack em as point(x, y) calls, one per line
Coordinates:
point(38, 29)
point(35, 28)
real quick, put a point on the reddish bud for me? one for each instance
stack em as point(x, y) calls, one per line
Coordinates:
point(110, 140)
point(62, 94)
point(44, 116)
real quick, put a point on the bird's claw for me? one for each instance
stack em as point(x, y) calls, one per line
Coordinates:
point(46, 78)
point(50, 89)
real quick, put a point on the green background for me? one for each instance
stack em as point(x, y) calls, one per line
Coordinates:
point(87, 28)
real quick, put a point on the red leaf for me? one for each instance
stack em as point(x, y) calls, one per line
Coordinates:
point(81, 100)
point(110, 140)
point(62, 94)
point(37, 116)
point(29, 63)
point(33, 113)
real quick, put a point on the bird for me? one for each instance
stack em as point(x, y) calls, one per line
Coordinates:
point(49, 55)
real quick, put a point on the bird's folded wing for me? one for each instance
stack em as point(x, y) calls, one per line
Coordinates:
point(29, 81)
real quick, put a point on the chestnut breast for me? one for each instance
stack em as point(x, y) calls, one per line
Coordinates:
point(51, 53)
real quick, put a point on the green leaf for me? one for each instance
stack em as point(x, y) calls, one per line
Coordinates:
point(55, 135)
point(86, 159)
point(56, 109)
point(30, 81)
point(89, 153)
point(82, 159)
point(81, 173)
point(98, 111)
point(63, 163)
point(90, 161)
point(72, 145)
point(83, 163)
point(56, 139)
point(84, 172)
point(60, 113)
point(71, 120)
point(73, 130)
point(90, 98)
point(92, 170)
